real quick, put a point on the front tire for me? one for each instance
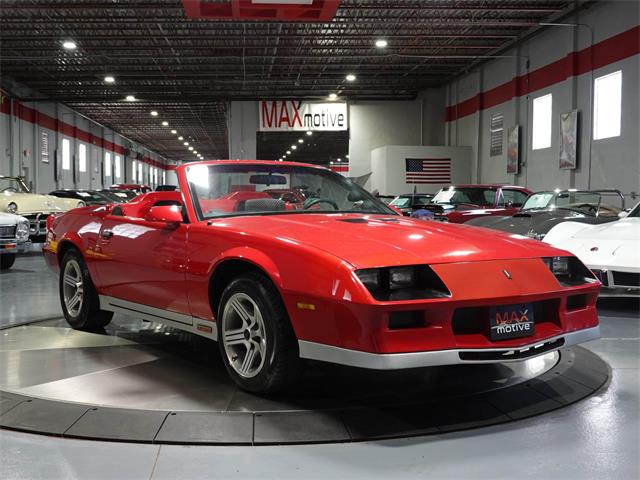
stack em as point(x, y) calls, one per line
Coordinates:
point(78, 295)
point(257, 343)
point(7, 260)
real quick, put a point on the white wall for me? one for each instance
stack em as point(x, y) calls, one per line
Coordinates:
point(609, 163)
point(388, 167)
point(21, 152)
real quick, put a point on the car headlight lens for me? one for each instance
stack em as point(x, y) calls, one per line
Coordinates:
point(22, 230)
point(81, 204)
point(569, 271)
point(403, 283)
point(12, 208)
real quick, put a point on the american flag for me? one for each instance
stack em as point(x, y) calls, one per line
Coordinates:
point(428, 170)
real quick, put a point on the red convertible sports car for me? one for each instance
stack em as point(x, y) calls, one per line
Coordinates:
point(340, 278)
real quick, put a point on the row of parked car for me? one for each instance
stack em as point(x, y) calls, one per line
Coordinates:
point(23, 214)
point(594, 225)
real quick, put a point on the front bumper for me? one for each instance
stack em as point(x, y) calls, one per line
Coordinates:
point(397, 361)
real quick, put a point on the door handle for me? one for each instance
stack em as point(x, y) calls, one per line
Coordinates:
point(106, 234)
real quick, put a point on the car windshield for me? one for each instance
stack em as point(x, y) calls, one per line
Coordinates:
point(538, 200)
point(474, 195)
point(222, 190)
point(401, 202)
point(12, 185)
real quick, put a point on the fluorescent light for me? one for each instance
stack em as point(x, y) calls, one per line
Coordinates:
point(109, 79)
point(190, 149)
point(339, 160)
point(165, 124)
point(69, 45)
point(381, 43)
point(180, 138)
point(195, 152)
point(186, 144)
point(130, 98)
point(300, 140)
point(333, 96)
point(174, 132)
point(350, 78)
point(288, 152)
point(309, 132)
point(293, 147)
point(154, 113)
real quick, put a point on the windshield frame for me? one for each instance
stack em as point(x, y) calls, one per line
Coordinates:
point(20, 181)
point(195, 201)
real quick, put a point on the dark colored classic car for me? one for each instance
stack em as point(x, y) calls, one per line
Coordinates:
point(89, 197)
point(410, 202)
point(544, 210)
point(461, 203)
point(118, 195)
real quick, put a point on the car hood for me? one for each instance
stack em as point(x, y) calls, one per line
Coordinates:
point(538, 221)
point(609, 245)
point(35, 203)
point(385, 240)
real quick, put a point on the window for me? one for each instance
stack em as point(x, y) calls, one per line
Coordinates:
point(66, 154)
point(164, 177)
point(140, 180)
point(607, 110)
point(107, 164)
point(82, 158)
point(134, 170)
point(514, 198)
point(495, 141)
point(542, 122)
point(116, 166)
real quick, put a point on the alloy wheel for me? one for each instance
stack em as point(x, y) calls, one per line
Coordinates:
point(73, 288)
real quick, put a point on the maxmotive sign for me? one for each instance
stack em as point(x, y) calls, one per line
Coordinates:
point(293, 115)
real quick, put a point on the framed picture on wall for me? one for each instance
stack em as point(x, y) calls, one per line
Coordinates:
point(568, 139)
point(44, 146)
point(513, 150)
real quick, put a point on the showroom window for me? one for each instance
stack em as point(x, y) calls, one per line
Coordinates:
point(66, 154)
point(134, 170)
point(542, 112)
point(607, 111)
point(107, 164)
point(116, 166)
point(495, 140)
point(140, 178)
point(82, 158)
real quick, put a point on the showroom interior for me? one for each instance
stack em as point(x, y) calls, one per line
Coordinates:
point(319, 239)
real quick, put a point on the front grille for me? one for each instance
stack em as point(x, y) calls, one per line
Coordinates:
point(474, 320)
point(37, 223)
point(626, 279)
point(8, 232)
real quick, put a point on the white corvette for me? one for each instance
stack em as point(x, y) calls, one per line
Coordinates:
point(610, 250)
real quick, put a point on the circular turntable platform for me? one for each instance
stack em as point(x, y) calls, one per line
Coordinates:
point(142, 382)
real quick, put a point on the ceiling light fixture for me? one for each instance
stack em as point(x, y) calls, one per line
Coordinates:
point(300, 140)
point(381, 43)
point(174, 132)
point(339, 160)
point(186, 144)
point(180, 138)
point(165, 124)
point(109, 79)
point(309, 132)
point(154, 113)
point(191, 149)
point(69, 45)
point(288, 152)
point(333, 96)
point(294, 147)
point(350, 78)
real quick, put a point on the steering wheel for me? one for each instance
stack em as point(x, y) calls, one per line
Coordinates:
point(314, 201)
point(9, 189)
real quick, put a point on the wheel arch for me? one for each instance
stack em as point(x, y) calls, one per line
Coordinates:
point(64, 246)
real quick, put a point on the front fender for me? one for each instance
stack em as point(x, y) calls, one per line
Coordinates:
point(251, 255)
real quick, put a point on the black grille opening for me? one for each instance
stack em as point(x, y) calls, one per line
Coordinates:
point(602, 276)
point(406, 319)
point(626, 279)
point(576, 302)
point(503, 355)
point(8, 231)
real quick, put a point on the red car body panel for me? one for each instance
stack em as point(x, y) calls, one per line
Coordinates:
point(465, 212)
point(311, 259)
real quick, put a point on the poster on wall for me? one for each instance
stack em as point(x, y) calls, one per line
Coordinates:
point(513, 150)
point(296, 115)
point(44, 146)
point(568, 139)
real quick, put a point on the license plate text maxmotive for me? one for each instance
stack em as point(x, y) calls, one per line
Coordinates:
point(511, 321)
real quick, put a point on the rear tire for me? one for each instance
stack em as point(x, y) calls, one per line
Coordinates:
point(257, 342)
point(78, 296)
point(7, 260)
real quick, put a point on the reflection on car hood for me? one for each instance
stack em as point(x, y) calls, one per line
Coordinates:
point(383, 240)
point(540, 221)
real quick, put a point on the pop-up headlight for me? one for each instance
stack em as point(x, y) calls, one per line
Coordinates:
point(569, 271)
point(403, 283)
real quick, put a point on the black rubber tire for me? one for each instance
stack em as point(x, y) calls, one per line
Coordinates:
point(283, 366)
point(90, 317)
point(7, 260)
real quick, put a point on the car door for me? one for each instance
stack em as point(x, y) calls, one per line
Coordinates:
point(143, 262)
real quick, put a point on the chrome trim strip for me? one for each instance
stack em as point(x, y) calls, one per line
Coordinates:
point(180, 321)
point(395, 361)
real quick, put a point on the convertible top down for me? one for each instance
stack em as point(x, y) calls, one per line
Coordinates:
point(338, 277)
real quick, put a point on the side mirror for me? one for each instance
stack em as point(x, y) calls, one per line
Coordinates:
point(169, 214)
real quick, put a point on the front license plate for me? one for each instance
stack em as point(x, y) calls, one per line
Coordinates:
point(511, 321)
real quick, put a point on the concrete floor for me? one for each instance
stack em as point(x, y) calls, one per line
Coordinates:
point(596, 438)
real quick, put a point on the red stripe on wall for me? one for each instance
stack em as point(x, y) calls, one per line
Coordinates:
point(611, 50)
point(31, 115)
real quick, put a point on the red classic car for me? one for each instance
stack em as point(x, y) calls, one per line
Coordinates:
point(343, 279)
point(460, 203)
point(134, 187)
